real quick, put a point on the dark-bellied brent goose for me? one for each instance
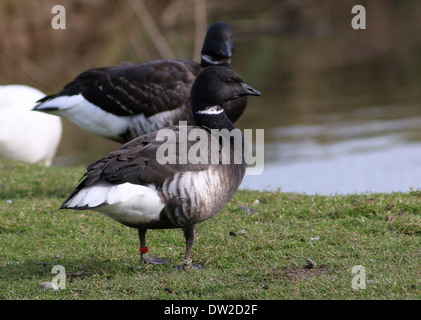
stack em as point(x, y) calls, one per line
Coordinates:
point(132, 186)
point(126, 101)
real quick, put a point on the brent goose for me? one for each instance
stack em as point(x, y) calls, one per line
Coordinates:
point(133, 187)
point(126, 101)
point(26, 135)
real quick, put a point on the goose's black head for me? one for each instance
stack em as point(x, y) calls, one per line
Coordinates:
point(218, 45)
point(213, 87)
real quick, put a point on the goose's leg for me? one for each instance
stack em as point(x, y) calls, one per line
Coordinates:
point(144, 250)
point(189, 234)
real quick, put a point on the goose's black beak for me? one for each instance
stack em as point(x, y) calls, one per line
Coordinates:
point(249, 91)
point(225, 49)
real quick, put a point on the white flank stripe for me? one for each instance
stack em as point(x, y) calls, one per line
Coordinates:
point(92, 118)
point(194, 185)
point(172, 187)
point(86, 115)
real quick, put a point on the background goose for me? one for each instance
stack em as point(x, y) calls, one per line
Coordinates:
point(26, 135)
point(132, 187)
point(126, 101)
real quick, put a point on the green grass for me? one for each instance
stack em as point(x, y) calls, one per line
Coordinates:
point(265, 259)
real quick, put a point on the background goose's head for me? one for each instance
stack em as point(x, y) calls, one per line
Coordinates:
point(216, 85)
point(218, 45)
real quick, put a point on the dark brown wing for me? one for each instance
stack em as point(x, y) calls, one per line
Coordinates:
point(136, 162)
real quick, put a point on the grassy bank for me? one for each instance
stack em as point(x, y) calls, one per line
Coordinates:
point(249, 255)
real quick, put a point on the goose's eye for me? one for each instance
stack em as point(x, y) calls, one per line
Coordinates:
point(229, 81)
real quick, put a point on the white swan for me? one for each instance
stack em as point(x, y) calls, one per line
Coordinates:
point(27, 135)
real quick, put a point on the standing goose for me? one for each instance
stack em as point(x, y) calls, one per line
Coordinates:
point(126, 101)
point(132, 187)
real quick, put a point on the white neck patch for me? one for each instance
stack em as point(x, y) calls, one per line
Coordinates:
point(211, 110)
point(211, 60)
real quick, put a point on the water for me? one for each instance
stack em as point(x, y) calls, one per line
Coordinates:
point(361, 156)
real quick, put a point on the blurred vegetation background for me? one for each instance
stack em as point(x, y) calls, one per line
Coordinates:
point(302, 54)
